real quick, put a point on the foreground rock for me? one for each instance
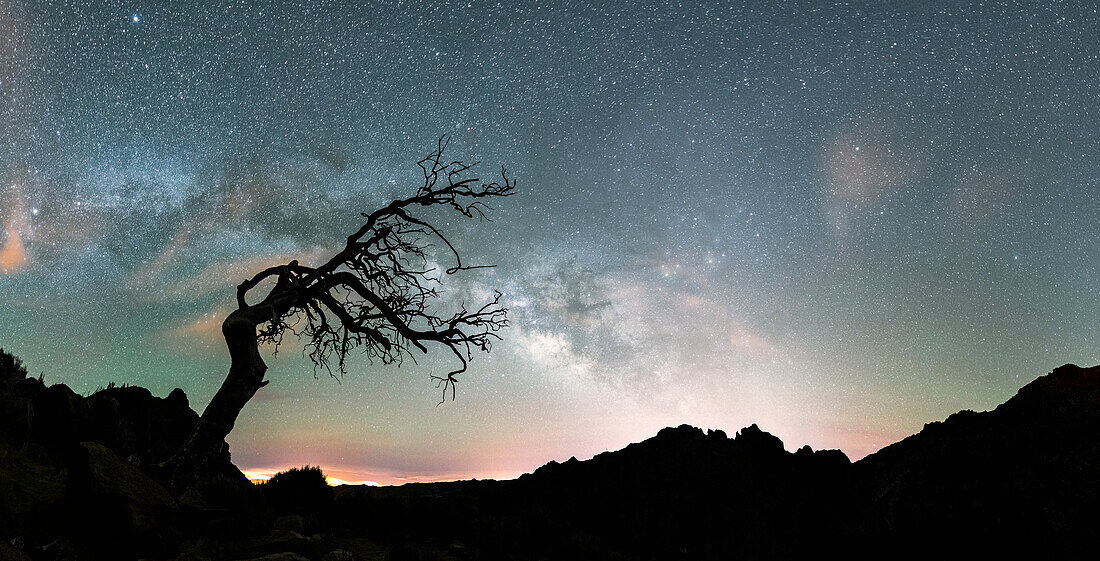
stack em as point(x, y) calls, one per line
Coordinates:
point(110, 496)
point(76, 469)
point(285, 556)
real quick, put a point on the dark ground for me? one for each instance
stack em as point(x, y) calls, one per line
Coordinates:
point(78, 481)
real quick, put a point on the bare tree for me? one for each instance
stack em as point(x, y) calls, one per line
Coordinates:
point(376, 294)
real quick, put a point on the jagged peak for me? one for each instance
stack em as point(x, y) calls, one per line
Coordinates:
point(680, 431)
point(759, 439)
point(178, 396)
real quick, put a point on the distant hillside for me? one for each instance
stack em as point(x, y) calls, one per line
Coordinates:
point(1022, 479)
point(1025, 475)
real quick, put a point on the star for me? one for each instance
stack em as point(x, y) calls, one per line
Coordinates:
point(137, 200)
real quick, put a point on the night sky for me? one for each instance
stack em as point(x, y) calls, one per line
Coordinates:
point(838, 221)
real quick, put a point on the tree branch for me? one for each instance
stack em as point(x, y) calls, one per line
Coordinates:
point(377, 293)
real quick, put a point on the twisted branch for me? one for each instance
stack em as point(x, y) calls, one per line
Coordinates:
point(377, 293)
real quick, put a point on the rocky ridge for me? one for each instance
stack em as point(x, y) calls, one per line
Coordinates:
point(1018, 480)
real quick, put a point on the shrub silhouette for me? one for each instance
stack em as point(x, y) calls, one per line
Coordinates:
point(298, 491)
point(11, 367)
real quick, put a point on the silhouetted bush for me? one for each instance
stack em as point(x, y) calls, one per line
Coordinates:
point(11, 367)
point(299, 491)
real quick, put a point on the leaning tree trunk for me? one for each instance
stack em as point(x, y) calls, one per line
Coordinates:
point(384, 285)
point(246, 375)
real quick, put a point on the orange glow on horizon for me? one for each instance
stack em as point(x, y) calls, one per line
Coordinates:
point(353, 476)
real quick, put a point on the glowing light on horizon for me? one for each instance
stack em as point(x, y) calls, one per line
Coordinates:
point(334, 481)
point(263, 475)
point(352, 476)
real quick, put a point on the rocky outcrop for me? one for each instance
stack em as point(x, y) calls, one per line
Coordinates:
point(288, 541)
point(105, 480)
point(285, 556)
point(686, 493)
point(1021, 479)
point(109, 496)
point(1017, 481)
point(135, 424)
point(9, 552)
point(81, 467)
point(129, 420)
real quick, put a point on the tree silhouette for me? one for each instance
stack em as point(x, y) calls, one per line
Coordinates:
point(376, 294)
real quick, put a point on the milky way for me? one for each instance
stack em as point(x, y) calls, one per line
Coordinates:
point(838, 222)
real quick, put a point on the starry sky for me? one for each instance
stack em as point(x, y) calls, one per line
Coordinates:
point(837, 220)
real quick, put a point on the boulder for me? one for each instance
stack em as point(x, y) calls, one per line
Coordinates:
point(292, 522)
point(17, 418)
point(112, 477)
point(32, 494)
point(9, 552)
point(113, 497)
point(284, 541)
point(284, 556)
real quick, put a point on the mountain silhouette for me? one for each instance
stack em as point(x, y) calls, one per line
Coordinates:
point(1024, 477)
point(1018, 480)
point(1021, 479)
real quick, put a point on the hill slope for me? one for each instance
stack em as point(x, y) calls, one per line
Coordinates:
point(1019, 480)
point(1024, 478)
point(1026, 473)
